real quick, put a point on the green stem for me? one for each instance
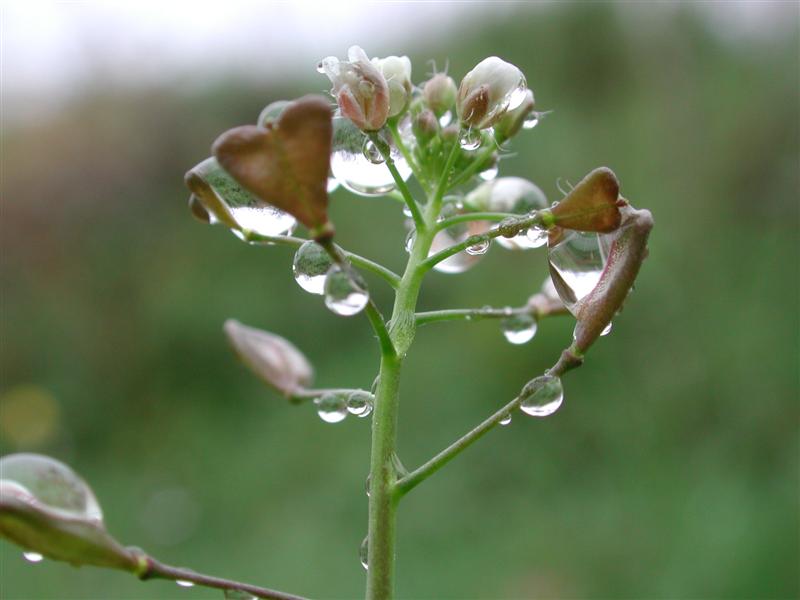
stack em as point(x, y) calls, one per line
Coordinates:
point(475, 216)
point(416, 214)
point(398, 140)
point(474, 167)
point(444, 179)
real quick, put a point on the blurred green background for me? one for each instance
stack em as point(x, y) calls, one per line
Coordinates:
point(670, 472)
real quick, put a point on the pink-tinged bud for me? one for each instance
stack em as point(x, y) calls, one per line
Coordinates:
point(440, 93)
point(360, 89)
point(488, 91)
point(425, 127)
point(396, 70)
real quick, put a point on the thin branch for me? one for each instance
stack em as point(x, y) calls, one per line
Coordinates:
point(158, 570)
point(416, 214)
point(444, 180)
point(537, 310)
point(475, 216)
point(401, 145)
point(392, 278)
point(302, 395)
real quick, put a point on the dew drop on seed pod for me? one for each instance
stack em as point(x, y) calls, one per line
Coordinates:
point(344, 295)
point(536, 237)
point(543, 396)
point(470, 140)
point(360, 403)
point(32, 557)
point(372, 153)
point(479, 248)
point(184, 583)
point(238, 595)
point(506, 420)
point(331, 407)
point(50, 484)
point(310, 267)
point(363, 553)
point(489, 174)
point(519, 329)
point(577, 260)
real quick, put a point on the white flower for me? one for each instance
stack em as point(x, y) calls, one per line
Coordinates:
point(360, 89)
point(397, 72)
point(488, 90)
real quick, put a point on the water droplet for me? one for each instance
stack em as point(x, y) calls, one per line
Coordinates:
point(360, 403)
point(479, 248)
point(536, 236)
point(184, 583)
point(543, 396)
point(407, 212)
point(320, 67)
point(517, 96)
point(33, 557)
point(519, 329)
point(366, 485)
point(331, 407)
point(363, 553)
point(506, 420)
point(310, 267)
point(532, 121)
point(490, 173)
point(445, 119)
point(263, 220)
point(333, 183)
point(239, 595)
point(360, 174)
point(344, 295)
point(50, 484)
point(607, 329)
point(577, 260)
point(410, 237)
point(372, 153)
point(470, 140)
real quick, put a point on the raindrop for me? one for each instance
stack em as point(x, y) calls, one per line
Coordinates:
point(33, 557)
point(331, 407)
point(410, 237)
point(360, 403)
point(363, 553)
point(407, 212)
point(238, 595)
point(372, 153)
point(345, 293)
point(478, 249)
point(517, 96)
point(577, 260)
point(445, 119)
point(358, 173)
point(536, 237)
point(470, 140)
point(532, 121)
point(505, 420)
point(543, 396)
point(490, 173)
point(184, 583)
point(519, 329)
point(606, 330)
point(320, 67)
point(366, 485)
point(263, 220)
point(310, 267)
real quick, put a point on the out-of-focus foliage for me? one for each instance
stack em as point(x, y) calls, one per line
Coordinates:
point(671, 470)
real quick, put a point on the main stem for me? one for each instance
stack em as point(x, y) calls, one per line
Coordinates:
point(383, 496)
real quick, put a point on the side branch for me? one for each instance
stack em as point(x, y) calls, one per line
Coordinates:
point(158, 570)
point(534, 308)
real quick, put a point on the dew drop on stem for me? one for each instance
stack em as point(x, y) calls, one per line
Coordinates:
point(543, 396)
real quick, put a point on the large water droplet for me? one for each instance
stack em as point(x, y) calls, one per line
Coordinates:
point(310, 267)
point(543, 396)
point(49, 484)
point(532, 121)
point(184, 583)
point(517, 96)
point(372, 153)
point(263, 220)
point(344, 295)
point(360, 403)
point(506, 420)
point(33, 557)
point(331, 407)
point(519, 329)
point(363, 553)
point(479, 249)
point(577, 260)
point(536, 237)
point(354, 170)
point(239, 595)
point(470, 140)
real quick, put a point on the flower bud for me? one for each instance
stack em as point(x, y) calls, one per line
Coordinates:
point(425, 127)
point(396, 70)
point(450, 133)
point(360, 89)
point(592, 205)
point(487, 91)
point(440, 93)
point(511, 122)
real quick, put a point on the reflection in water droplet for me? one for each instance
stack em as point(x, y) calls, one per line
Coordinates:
point(490, 173)
point(331, 407)
point(344, 295)
point(577, 260)
point(33, 557)
point(184, 583)
point(263, 220)
point(543, 396)
point(606, 330)
point(363, 553)
point(470, 140)
point(536, 236)
point(519, 329)
point(310, 267)
point(517, 96)
point(372, 153)
point(531, 122)
point(360, 403)
point(505, 420)
point(46, 482)
point(479, 248)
